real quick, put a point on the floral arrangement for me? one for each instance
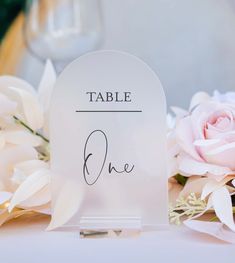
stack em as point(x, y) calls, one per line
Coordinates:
point(201, 148)
point(24, 146)
point(201, 143)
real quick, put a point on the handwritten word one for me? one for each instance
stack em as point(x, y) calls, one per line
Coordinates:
point(91, 179)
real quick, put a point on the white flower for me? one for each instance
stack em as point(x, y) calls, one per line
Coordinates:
point(24, 175)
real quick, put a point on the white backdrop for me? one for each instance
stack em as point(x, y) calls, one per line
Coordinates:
point(189, 43)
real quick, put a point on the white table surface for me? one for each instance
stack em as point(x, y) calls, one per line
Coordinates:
point(27, 241)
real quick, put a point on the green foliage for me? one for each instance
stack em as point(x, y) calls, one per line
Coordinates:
point(9, 9)
point(186, 207)
point(181, 179)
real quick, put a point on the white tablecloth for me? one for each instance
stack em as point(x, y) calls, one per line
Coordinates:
point(27, 241)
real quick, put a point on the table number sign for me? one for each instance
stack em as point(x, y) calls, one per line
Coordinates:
point(108, 144)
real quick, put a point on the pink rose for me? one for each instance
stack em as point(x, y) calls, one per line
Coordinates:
point(202, 145)
point(206, 137)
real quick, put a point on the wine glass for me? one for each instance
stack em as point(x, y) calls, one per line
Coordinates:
point(62, 30)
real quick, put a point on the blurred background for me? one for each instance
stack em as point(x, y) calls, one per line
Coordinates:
point(189, 43)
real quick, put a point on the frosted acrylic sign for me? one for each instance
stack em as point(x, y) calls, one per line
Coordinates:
point(108, 144)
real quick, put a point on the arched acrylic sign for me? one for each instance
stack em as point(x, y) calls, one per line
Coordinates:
point(108, 144)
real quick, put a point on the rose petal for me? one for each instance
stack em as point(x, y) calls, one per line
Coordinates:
point(208, 142)
point(29, 187)
point(170, 120)
point(185, 138)
point(189, 166)
point(205, 146)
point(222, 148)
point(228, 97)
point(172, 167)
point(199, 98)
point(199, 118)
point(223, 155)
point(228, 136)
point(180, 113)
point(174, 190)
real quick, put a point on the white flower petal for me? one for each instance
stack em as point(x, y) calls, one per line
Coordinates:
point(26, 168)
point(32, 184)
point(194, 184)
point(30, 166)
point(2, 140)
point(40, 198)
point(44, 209)
point(215, 229)
point(222, 204)
point(213, 185)
point(10, 81)
point(46, 85)
point(45, 91)
point(31, 107)
point(18, 176)
point(7, 106)
point(5, 196)
point(22, 137)
point(66, 205)
point(11, 155)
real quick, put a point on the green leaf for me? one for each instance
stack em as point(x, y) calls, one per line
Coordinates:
point(181, 179)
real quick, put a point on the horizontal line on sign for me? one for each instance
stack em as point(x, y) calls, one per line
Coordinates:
point(108, 110)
